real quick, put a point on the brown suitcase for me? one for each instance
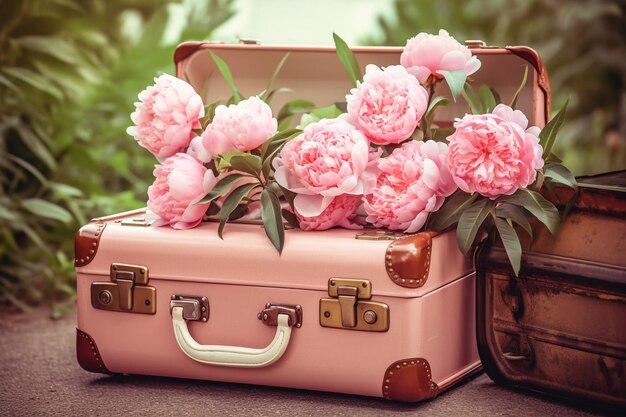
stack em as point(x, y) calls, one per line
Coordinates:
point(561, 327)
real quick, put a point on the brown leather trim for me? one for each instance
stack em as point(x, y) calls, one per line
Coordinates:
point(87, 242)
point(534, 59)
point(88, 355)
point(407, 259)
point(185, 50)
point(409, 380)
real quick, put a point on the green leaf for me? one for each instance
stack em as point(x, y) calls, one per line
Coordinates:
point(487, 97)
point(537, 205)
point(247, 163)
point(328, 112)
point(53, 46)
point(548, 134)
point(222, 187)
point(456, 81)
point(515, 214)
point(35, 80)
point(295, 106)
point(511, 243)
point(347, 59)
point(472, 99)
point(232, 201)
point(451, 211)
point(228, 76)
point(43, 208)
point(281, 136)
point(272, 219)
point(291, 218)
point(275, 91)
point(560, 174)
point(436, 102)
point(273, 149)
point(520, 88)
point(30, 168)
point(470, 222)
point(264, 95)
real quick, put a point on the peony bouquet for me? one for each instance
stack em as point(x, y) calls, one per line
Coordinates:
point(376, 160)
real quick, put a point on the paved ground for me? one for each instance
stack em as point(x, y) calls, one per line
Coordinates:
point(39, 376)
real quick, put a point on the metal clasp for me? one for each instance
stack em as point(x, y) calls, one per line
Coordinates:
point(127, 290)
point(194, 308)
point(347, 310)
point(269, 315)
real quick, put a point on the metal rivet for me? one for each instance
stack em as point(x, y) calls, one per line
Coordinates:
point(92, 251)
point(332, 282)
point(94, 244)
point(142, 271)
point(327, 314)
point(364, 285)
point(147, 302)
point(264, 316)
point(114, 267)
point(397, 366)
point(203, 308)
point(370, 317)
point(105, 297)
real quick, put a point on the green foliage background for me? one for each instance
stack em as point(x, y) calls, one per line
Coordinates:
point(69, 73)
point(583, 44)
point(71, 69)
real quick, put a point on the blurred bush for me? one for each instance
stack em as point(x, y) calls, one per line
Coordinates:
point(70, 71)
point(582, 43)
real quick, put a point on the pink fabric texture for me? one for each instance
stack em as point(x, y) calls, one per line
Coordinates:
point(330, 158)
point(239, 127)
point(426, 54)
point(387, 105)
point(181, 181)
point(341, 212)
point(494, 154)
point(413, 182)
point(165, 116)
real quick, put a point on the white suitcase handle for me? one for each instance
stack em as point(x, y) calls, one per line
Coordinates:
point(283, 317)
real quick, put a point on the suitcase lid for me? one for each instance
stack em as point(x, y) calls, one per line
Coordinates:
point(246, 257)
point(315, 73)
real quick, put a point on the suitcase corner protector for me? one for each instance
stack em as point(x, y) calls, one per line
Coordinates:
point(88, 355)
point(409, 380)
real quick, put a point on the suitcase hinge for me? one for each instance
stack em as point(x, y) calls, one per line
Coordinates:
point(346, 310)
point(127, 291)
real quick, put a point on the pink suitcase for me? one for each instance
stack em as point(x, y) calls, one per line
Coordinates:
point(359, 312)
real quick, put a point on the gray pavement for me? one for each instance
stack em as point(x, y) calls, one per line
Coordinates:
point(39, 376)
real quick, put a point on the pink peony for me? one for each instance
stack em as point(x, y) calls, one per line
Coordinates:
point(165, 116)
point(197, 150)
point(426, 54)
point(413, 181)
point(240, 127)
point(180, 182)
point(387, 105)
point(341, 212)
point(494, 154)
point(331, 157)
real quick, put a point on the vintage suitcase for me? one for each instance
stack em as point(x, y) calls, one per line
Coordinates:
point(376, 315)
point(561, 327)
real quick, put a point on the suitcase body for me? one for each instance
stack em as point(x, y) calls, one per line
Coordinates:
point(561, 327)
point(375, 314)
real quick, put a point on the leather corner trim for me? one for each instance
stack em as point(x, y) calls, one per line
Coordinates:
point(407, 259)
point(532, 56)
point(409, 380)
point(185, 50)
point(88, 355)
point(87, 242)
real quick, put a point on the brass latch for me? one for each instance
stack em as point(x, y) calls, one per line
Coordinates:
point(127, 291)
point(347, 310)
